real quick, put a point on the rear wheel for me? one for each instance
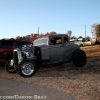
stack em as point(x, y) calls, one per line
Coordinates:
point(79, 58)
point(27, 68)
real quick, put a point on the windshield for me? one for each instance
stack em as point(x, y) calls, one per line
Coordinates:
point(43, 41)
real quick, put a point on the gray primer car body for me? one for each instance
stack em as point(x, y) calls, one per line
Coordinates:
point(52, 49)
point(57, 52)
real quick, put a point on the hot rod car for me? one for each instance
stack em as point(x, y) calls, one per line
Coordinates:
point(52, 49)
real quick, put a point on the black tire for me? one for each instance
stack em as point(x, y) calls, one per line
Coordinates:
point(27, 68)
point(9, 68)
point(79, 58)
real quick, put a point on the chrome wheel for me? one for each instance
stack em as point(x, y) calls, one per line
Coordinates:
point(27, 68)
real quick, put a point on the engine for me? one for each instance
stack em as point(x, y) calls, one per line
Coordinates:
point(26, 52)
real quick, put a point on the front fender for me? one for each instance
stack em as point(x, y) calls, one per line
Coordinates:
point(17, 56)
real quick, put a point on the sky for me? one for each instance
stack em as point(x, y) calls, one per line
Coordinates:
point(23, 17)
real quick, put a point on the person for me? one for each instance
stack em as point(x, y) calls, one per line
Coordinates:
point(65, 40)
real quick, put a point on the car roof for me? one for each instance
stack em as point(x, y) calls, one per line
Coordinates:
point(58, 35)
point(53, 35)
point(14, 40)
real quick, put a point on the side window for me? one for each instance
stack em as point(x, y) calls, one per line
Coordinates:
point(19, 44)
point(56, 40)
point(6, 44)
point(65, 39)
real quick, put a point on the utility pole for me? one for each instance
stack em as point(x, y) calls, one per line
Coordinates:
point(85, 30)
point(38, 31)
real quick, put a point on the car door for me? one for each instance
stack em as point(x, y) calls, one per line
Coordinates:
point(56, 50)
point(6, 50)
point(68, 48)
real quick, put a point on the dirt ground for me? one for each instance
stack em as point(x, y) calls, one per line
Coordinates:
point(82, 83)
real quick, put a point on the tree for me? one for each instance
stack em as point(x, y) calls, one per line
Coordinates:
point(93, 30)
point(51, 33)
point(87, 38)
point(46, 34)
point(11, 38)
point(32, 39)
point(27, 38)
point(97, 31)
point(23, 38)
point(80, 37)
point(73, 37)
point(18, 38)
point(69, 33)
point(36, 36)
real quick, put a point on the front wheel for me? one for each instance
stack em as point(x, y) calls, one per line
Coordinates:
point(9, 68)
point(27, 68)
point(79, 58)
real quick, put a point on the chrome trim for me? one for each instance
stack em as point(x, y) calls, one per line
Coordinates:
point(20, 58)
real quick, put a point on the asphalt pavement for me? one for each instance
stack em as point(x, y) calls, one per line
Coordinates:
point(14, 90)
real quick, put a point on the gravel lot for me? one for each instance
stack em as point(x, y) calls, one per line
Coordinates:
point(82, 83)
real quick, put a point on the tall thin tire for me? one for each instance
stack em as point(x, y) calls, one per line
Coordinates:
point(9, 68)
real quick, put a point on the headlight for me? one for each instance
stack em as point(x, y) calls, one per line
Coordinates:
point(11, 62)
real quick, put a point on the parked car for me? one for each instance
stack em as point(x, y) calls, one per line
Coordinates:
point(79, 43)
point(97, 41)
point(53, 49)
point(7, 47)
point(83, 43)
point(93, 41)
point(73, 40)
